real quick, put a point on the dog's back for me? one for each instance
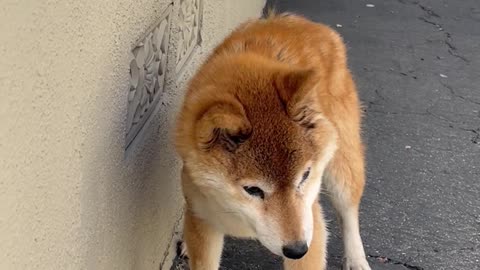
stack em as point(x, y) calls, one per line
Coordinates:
point(296, 42)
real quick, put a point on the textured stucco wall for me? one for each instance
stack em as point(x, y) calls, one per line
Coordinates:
point(69, 196)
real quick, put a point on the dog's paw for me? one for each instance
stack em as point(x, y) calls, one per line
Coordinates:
point(355, 264)
point(182, 250)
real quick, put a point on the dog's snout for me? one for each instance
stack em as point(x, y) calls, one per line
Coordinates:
point(295, 250)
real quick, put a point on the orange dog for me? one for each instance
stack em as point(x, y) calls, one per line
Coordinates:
point(270, 115)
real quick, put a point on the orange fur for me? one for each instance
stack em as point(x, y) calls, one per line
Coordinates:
point(273, 99)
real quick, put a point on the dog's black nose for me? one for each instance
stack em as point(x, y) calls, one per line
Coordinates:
point(295, 250)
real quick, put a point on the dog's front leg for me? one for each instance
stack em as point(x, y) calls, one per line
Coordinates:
point(204, 244)
point(315, 259)
point(345, 180)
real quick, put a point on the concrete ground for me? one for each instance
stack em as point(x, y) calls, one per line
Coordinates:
point(417, 66)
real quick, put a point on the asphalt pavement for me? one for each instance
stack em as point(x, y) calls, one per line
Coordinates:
point(417, 67)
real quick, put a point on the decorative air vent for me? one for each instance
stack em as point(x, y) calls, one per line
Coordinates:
point(190, 20)
point(147, 75)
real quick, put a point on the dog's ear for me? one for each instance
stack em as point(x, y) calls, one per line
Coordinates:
point(223, 124)
point(298, 93)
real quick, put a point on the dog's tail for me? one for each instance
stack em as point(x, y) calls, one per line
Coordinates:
point(270, 12)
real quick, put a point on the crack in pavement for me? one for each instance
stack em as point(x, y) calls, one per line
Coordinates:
point(476, 138)
point(452, 50)
point(440, 28)
point(454, 94)
point(387, 260)
point(380, 100)
point(448, 40)
point(430, 12)
point(476, 134)
point(398, 112)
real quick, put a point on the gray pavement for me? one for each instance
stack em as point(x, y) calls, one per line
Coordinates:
point(417, 66)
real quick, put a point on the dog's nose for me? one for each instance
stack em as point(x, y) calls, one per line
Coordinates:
point(295, 250)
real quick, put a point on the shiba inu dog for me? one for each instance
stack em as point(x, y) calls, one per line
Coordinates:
point(269, 117)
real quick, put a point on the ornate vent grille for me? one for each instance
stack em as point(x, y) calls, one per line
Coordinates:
point(147, 75)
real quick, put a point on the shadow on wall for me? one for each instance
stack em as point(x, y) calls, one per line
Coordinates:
point(131, 202)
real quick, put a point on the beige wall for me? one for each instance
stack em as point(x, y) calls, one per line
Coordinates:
point(69, 196)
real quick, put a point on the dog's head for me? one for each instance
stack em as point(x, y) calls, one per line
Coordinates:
point(255, 143)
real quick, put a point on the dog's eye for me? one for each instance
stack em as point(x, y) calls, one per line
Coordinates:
point(305, 175)
point(254, 191)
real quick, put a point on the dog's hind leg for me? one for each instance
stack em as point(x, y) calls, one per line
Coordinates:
point(315, 259)
point(344, 180)
point(204, 244)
